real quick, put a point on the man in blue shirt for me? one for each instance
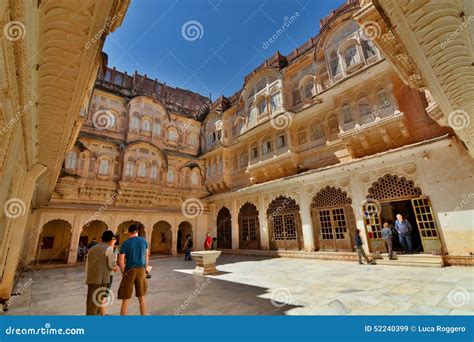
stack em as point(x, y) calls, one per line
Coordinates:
point(133, 262)
point(404, 228)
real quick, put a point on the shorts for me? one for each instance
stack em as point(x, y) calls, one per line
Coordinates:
point(133, 277)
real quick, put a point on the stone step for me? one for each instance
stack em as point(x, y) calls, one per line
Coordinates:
point(407, 263)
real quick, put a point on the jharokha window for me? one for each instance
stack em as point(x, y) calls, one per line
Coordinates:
point(142, 170)
point(71, 160)
point(104, 167)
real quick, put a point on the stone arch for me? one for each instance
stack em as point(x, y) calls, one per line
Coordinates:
point(284, 224)
point(333, 219)
point(54, 241)
point(122, 230)
point(92, 230)
point(224, 228)
point(184, 228)
point(161, 238)
point(249, 229)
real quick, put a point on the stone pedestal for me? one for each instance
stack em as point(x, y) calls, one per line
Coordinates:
point(205, 262)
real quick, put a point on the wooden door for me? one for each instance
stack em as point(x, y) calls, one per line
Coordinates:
point(426, 225)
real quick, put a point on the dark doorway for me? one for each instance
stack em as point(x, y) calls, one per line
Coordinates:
point(180, 241)
point(404, 207)
point(224, 229)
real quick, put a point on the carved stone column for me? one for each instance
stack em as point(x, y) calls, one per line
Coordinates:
point(235, 225)
point(263, 224)
point(306, 222)
point(174, 241)
point(74, 243)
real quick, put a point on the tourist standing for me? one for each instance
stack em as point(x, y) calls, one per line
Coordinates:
point(187, 247)
point(92, 244)
point(358, 245)
point(387, 239)
point(133, 262)
point(100, 266)
point(208, 242)
point(404, 229)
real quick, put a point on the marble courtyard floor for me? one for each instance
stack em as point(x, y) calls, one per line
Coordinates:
point(264, 286)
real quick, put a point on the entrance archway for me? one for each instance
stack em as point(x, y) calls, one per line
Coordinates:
point(92, 230)
point(249, 231)
point(333, 220)
point(122, 230)
point(54, 241)
point(224, 229)
point(284, 223)
point(184, 228)
point(391, 195)
point(161, 238)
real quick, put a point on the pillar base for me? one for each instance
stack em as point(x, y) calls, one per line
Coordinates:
point(205, 262)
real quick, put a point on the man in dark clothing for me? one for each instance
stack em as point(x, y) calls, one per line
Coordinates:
point(404, 229)
point(387, 239)
point(187, 248)
point(360, 250)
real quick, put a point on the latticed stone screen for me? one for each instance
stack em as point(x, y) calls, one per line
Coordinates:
point(390, 187)
point(330, 197)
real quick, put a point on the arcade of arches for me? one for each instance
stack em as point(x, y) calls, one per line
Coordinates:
point(58, 235)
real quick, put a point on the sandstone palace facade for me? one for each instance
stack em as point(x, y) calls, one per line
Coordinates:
point(343, 133)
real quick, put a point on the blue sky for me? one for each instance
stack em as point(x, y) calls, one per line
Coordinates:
point(225, 40)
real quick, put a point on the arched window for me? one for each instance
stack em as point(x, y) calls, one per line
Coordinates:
point(308, 89)
point(170, 176)
point(194, 178)
point(142, 169)
point(157, 128)
point(253, 114)
point(135, 122)
point(334, 63)
point(262, 106)
point(351, 56)
point(369, 48)
point(146, 126)
point(71, 160)
point(172, 135)
point(347, 114)
point(317, 132)
point(384, 99)
point(275, 101)
point(129, 169)
point(104, 167)
point(154, 172)
point(364, 107)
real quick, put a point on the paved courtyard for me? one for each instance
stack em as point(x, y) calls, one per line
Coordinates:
point(263, 286)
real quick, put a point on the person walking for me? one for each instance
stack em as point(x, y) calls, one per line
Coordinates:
point(360, 251)
point(208, 242)
point(133, 262)
point(100, 266)
point(404, 228)
point(387, 239)
point(187, 248)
